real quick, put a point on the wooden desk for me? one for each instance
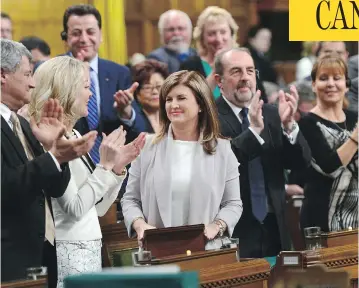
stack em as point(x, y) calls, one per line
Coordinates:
point(246, 274)
point(340, 238)
point(41, 283)
point(199, 260)
point(114, 232)
point(340, 258)
point(115, 239)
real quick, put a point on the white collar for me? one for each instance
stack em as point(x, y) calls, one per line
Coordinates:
point(93, 63)
point(5, 112)
point(236, 110)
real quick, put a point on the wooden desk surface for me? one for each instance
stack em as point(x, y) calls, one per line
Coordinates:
point(40, 283)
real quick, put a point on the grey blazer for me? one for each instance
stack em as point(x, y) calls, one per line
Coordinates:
point(214, 186)
point(169, 57)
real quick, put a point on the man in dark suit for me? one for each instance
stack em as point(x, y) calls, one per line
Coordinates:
point(266, 140)
point(29, 176)
point(259, 42)
point(175, 28)
point(82, 33)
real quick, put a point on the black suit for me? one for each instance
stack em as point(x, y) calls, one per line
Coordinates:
point(23, 184)
point(262, 239)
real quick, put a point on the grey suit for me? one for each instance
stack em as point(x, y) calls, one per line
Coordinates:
point(169, 57)
point(214, 191)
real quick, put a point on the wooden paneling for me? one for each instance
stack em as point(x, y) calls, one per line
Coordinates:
point(42, 18)
point(145, 14)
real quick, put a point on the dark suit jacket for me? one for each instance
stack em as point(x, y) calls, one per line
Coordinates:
point(266, 70)
point(276, 154)
point(169, 57)
point(23, 184)
point(195, 64)
point(112, 77)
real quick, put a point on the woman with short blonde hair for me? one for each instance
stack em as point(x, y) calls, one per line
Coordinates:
point(187, 174)
point(216, 31)
point(92, 188)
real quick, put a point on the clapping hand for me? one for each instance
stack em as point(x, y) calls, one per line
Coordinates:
point(123, 100)
point(66, 150)
point(110, 147)
point(49, 128)
point(129, 152)
point(255, 113)
point(287, 106)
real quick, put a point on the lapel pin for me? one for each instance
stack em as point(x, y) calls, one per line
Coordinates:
point(106, 79)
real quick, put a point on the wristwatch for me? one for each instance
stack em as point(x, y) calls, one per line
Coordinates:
point(221, 227)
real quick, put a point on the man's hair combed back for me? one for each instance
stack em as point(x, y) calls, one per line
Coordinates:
point(164, 16)
point(5, 16)
point(59, 78)
point(11, 55)
point(208, 123)
point(218, 61)
point(33, 42)
point(81, 10)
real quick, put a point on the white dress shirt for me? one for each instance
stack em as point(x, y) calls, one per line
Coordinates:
point(292, 137)
point(182, 162)
point(76, 212)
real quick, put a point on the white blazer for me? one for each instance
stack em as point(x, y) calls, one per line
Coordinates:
point(214, 186)
point(76, 212)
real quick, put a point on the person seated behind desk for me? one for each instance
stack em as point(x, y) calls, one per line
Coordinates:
point(92, 188)
point(186, 174)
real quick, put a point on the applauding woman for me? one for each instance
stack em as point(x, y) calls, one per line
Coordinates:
point(92, 189)
point(331, 191)
point(186, 174)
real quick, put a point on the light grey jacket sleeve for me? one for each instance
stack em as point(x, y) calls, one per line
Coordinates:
point(131, 200)
point(231, 207)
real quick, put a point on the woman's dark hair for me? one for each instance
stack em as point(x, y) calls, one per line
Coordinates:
point(143, 71)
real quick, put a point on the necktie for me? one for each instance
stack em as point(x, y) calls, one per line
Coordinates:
point(93, 119)
point(256, 179)
point(49, 226)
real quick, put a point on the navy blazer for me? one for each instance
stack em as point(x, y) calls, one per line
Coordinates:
point(113, 77)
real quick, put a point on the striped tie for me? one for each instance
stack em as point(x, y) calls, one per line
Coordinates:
point(93, 120)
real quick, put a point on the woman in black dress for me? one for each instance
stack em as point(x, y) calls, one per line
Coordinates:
point(331, 190)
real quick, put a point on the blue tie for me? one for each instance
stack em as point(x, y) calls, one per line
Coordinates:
point(256, 179)
point(93, 120)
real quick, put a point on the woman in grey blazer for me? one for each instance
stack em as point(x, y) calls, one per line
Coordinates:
point(186, 174)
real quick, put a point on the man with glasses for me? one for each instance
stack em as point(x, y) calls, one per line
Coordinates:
point(266, 141)
point(175, 28)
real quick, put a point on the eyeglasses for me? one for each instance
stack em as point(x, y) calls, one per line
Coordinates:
point(150, 88)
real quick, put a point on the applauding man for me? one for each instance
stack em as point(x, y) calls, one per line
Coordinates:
point(266, 140)
point(111, 104)
point(29, 176)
